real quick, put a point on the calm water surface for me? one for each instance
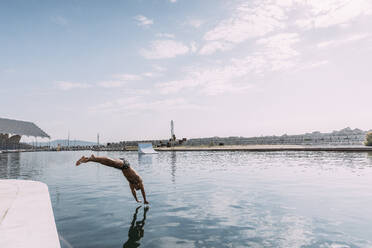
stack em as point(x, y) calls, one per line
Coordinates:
point(208, 199)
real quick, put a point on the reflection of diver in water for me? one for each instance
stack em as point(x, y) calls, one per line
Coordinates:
point(136, 230)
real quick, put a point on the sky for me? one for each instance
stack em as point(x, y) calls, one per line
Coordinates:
point(125, 69)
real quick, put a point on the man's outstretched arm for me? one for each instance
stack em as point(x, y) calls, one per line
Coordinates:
point(133, 192)
point(144, 194)
point(102, 160)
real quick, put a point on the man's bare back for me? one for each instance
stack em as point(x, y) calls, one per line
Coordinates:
point(135, 181)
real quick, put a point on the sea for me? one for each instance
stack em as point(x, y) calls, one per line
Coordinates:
point(207, 199)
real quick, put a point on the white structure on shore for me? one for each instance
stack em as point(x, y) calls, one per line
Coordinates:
point(146, 148)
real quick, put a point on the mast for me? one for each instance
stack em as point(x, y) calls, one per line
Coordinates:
point(172, 129)
point(68, 139)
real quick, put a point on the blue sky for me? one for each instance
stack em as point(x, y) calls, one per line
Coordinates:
point(217, 68)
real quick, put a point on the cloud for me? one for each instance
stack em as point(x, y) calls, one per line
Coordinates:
point(152, 74)
point(161, 49)
point(123, 79)
point(173, 1)
point(130, 105)
point(7, 70)
point(157, 72)
point(111, 106)
point(274, 53)
point(59, 20)
point(319, 63)
point(207, 84)
point(212, 47)
point(165, 35)
point(278, 50)
point(127, 77)
point(210, 80)
point(64, 85)
point(193, 46)
point(120, 80)
point(312, 65)
point(327, 13)
point(196, 23)
point(111, 84)
point(159, 68)
point(330, 43)
point(143, 21)
point(249, 20)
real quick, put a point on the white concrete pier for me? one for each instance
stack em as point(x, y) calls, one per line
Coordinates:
point(26, 215)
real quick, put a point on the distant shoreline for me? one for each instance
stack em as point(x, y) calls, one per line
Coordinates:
point(247, 148)
point(267, 148)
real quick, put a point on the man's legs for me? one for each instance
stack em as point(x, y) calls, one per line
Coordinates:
point(118, 164)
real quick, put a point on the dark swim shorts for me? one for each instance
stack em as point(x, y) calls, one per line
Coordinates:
point(126, 164)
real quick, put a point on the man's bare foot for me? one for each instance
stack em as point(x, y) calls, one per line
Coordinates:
point(83, 159)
